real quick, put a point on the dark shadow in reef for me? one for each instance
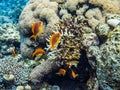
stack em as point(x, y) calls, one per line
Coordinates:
point(66, 82)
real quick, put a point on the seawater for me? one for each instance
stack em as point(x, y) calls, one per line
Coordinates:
point(10, 10)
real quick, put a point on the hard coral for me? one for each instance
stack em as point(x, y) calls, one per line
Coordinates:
point(90, 39)
point(46, 67)
point(111, 6)
point(39, 9)
point(72, 5)
point(67, 51)
point(107, 56)
point(95, 17)
point(11, 66)
point(70, 44)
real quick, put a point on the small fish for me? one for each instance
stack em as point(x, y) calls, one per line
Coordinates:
point(38, 51)
point(54, 40)
point(61, 72)
point(13, 52)
point(74, 75)
point(37, 29)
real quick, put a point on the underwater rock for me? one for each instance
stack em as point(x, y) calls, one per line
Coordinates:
point(37, 74)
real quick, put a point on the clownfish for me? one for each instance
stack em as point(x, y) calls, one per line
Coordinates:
point(61, 72)
point(37, 29)
point(54, 40)
point(38, 51)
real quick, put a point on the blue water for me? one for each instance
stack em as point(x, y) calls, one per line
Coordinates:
point(10, 10)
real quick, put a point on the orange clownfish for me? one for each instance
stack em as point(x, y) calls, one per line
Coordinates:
point(37, 29)
point(61, 72)
point(54, 40)
point(74, 75)
point(38, 51)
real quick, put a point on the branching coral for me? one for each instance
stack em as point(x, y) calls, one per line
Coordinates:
point(11, 66)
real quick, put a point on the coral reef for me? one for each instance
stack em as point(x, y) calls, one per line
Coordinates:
point(107, 57)
point(9, 39)
point(43, 69)
point(73, 29)
point(10, 66)
point(51, 11)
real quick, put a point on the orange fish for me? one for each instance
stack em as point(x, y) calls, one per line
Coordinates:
point(37, 29)
point(54, 40)
point(38, 51)
point(74, 75)
point(61, 72)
